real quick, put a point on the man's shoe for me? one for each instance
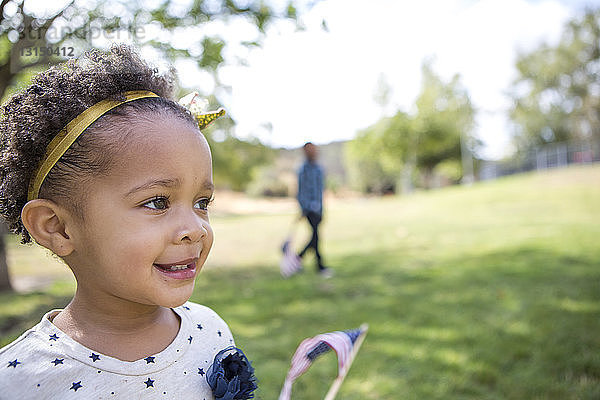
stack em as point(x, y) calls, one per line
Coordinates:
point(326, 272)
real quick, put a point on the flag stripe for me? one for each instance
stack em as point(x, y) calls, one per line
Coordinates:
point(342, 342)
point(290, 264)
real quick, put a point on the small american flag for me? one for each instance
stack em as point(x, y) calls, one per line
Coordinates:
point(344, 343)
point(290, 262)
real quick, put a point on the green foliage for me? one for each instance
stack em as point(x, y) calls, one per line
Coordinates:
point(557, 94)
point(292, 12)
point(262, 16)
point(5, 47)
point(92, 18)
point(450, 170)
point(234, 160)
point(333, 183)
point(366, 170)
point(444, 114)
point(391, 149)
point(211, 56)
point(266, 181)
point(484, 292)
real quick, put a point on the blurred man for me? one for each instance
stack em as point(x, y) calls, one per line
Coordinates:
point(310, 196)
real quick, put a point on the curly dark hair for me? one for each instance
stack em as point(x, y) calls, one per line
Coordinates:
point(32, 117)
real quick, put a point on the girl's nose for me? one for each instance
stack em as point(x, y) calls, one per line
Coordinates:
point(193, 229)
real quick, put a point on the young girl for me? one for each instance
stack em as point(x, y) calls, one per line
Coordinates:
point(100, 166)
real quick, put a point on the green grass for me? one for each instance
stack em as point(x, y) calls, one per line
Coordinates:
point(484, 292)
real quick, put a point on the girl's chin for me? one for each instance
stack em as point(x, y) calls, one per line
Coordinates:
point(174, 303)
point(173, 297)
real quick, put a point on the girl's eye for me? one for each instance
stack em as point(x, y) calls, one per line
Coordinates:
point(157, 203)
point(203, 204)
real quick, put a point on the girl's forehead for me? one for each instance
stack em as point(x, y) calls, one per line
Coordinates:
point(160, 134)
point(165, 143)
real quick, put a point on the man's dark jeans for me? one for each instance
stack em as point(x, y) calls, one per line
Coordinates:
point(314, 219)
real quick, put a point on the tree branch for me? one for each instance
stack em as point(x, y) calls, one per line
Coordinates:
point(43, 60)
point(2, 5)
point(28, 41)
point(50, 21)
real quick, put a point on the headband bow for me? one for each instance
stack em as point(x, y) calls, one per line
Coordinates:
point(196, 105)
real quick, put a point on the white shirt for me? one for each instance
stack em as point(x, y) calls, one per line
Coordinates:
point(45, 363)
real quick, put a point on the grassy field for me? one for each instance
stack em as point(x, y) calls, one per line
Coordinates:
point(485, 292)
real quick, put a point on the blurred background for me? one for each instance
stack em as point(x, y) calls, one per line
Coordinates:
point(461, 142)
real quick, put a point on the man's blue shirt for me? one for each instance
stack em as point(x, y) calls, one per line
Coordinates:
point(310, 187)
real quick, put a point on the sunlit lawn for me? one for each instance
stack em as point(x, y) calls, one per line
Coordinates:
point(485, 292)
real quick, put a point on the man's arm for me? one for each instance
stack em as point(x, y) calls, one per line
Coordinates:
point(302, 194)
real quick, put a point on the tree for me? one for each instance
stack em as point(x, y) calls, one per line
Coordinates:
point(30, 39)
point(4, 278)
point(79, 24)
point(396, 147)
point(445, 114)
point(557, 92)
point(235, 160)
point(367, 160)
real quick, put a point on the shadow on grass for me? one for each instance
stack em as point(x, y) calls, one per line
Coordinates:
point(515, 324)
point(520, 323)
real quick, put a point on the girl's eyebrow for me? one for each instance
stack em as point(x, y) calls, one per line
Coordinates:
point(155, 183)
point(166, 183)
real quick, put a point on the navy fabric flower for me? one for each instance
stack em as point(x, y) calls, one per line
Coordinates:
point(231, 377)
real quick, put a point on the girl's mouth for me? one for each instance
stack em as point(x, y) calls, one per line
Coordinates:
point(180, 270)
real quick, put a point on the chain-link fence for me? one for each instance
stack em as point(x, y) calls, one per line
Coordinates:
point(553, 155)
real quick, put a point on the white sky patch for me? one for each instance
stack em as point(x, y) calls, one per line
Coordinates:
point(319, 86)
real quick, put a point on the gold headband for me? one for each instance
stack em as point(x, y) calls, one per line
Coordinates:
point(67, 136)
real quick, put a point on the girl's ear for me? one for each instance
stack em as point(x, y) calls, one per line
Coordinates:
point(46, 223)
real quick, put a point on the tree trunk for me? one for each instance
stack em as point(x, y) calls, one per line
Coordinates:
point(5, 77)
point(406, 179)
point(406, 184)
point(4, 279)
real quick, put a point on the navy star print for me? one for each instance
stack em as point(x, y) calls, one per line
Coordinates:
point(201, 371)
point(219, 333)
point(76, 385)
point(57, 361)
point(186, 307)
point(149, 359)
point(190, 339)
point(149, 383)
point(95, 357)
point(53, 337)
point(14, 363)
point(199, 326)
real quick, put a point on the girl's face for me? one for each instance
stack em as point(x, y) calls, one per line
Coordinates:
point(145, 233)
